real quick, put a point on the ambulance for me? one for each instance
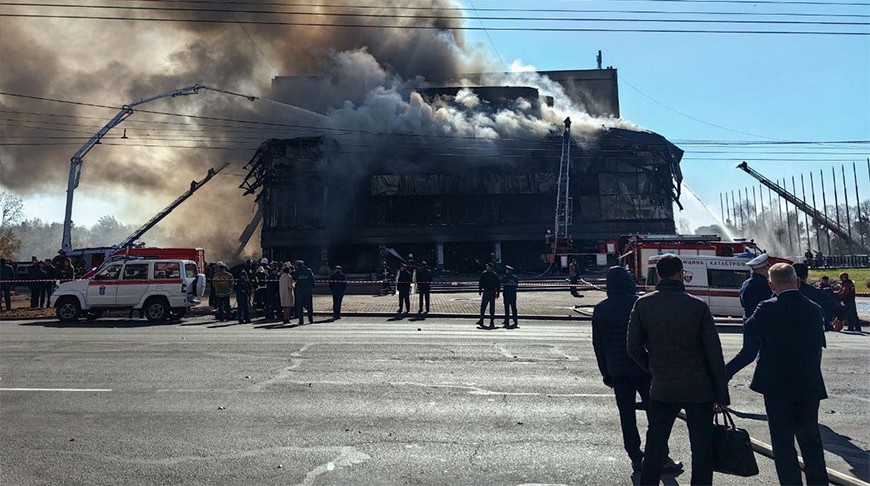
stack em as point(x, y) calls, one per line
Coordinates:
point(714, 279)
point(160, 289)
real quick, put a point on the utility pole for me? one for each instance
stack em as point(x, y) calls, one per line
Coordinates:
point(787, 216)
point(825, 204)
point(818, 226)
point(721, 209)
point(754, 205)
point(797, 218)
point(806, 216)
point(836, 200)
point(848, 218)
point(858, 199)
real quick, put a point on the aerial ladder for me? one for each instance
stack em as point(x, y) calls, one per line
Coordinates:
point(562, 240)
point(819, 217)
point(75, 168)
point(194, 186)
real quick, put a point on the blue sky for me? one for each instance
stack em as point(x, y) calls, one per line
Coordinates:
point(775, 87)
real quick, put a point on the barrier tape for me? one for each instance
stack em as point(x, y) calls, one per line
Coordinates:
point(582, 285)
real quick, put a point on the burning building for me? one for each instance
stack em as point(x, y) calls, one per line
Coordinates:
point(344, 195)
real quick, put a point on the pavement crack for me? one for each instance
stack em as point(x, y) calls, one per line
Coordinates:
point(282, 374)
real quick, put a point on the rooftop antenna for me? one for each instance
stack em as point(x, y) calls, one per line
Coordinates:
point(598, 58)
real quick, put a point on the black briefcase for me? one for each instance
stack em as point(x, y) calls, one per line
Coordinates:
point(732, 449)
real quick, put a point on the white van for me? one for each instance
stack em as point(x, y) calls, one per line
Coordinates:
point(715, 279)
point(162, 289)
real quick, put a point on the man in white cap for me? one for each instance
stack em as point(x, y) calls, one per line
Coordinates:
point(755, 289)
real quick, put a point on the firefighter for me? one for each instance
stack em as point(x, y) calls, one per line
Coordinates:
point(304, 278)
point(337, 286)
point(403, 286)
point(258, 282)
point(488, 286)
point(222, 286)
point(243, 298)
point(847, 297)
point(510, 282)
point(424, 285)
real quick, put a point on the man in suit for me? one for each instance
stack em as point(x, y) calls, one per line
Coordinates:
point(671, 335)
point(832, 309)
point(787, 333)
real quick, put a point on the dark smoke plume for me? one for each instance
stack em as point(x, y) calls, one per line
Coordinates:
point(370, 76)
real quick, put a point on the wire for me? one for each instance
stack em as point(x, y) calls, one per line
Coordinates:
point(441, 28)
point(427, 17)
point(622, 78)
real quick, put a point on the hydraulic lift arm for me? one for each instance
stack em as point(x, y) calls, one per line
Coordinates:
point(819, 217)
point(75, 168)
point(194, 186)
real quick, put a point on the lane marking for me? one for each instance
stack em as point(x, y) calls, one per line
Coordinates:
point(58, 389)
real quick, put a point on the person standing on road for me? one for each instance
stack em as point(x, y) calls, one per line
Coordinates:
point(243, 291)
point(671, 335)
point(403, 287)
point(509, 285)
point(488, 286)
point(285, 291)
point(7, 274)
point(222, 286)
point(35, 274)
point(786, 334)
point(337, 286)
point(834, 312)
point(755, 289)
point(51, 274)
point(273, 301)
point(304, 278)
point(618, 370)
point(847, 296)
point(424, 285)
point(574, 276)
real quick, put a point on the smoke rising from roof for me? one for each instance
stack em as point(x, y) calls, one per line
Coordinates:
point(369, 82)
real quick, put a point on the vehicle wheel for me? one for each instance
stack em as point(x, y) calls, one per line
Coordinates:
point(156, 309)
point(68, 309)
point(93, 315)
point(177, 313)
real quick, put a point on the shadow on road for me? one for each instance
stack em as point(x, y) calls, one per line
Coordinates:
point(99, 324)
point(841, 445)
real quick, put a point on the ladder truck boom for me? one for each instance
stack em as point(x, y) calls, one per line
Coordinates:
point(194, 186)
point(75, 168)
point(819, 217)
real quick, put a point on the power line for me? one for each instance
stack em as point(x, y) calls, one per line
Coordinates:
point(381, 5)
point(430, 17)
point(501, 9)
point(457, 27)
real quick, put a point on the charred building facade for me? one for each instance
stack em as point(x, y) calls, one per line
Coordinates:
point(455, 201)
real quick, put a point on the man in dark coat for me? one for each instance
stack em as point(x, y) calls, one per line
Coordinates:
point(488, 286)
point(36, 273)
point(510, 282)
point(337, 286)
point(424, 285)
point(51, 274)
point(403, 287)
point(672, 336)
point(618, 370)
point(832, 309)
point(304, 278)
point(243, 291)
point(7, 273)
point(786, 332)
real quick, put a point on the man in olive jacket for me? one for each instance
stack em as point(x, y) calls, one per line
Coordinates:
point(671, 335)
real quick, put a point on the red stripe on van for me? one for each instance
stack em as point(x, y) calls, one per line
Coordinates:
point(156, 281)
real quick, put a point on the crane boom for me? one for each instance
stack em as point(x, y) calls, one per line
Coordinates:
point(194, 186)
point(818, 217)
point(75, 168)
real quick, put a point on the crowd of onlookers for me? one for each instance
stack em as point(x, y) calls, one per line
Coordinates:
point(42, 276)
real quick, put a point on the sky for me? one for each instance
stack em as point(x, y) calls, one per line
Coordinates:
point(689, 87)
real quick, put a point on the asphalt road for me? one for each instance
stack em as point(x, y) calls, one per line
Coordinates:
point(360, 401)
